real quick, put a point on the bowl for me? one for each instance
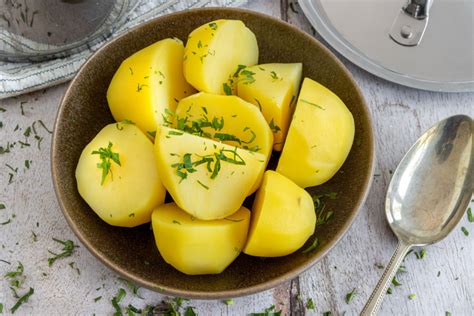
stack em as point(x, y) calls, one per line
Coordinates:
point(131, 252)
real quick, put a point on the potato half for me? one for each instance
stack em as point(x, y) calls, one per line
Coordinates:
point(274, 89)
point(207, 179)
point(320, 136)
point(147, 83)
point(227, 119)
point(283, 218)
point(194, 246)
point(117, 176)
point(214, 52)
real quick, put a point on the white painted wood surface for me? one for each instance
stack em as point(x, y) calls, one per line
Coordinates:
point(443, 280)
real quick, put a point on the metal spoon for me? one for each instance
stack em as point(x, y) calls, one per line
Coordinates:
point(429, 193)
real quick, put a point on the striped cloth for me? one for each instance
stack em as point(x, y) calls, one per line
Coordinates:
point(19, 78)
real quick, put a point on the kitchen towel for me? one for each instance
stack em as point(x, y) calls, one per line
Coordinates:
point(19, 78)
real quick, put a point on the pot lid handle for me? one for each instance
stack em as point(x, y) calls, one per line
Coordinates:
point(411, 22)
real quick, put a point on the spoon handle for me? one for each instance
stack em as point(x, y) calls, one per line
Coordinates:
point(375, 300)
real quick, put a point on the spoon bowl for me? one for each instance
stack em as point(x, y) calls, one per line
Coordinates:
point(429, 193)
point(432, 185)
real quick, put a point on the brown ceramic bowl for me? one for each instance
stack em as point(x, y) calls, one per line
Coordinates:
point(132, 252)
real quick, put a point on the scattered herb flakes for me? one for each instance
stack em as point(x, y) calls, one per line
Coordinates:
point(22, 300)
point(270, 311)
point(2, 206)
point(203, 185)
point(27, 164)
point(389, 291)
point(275, 128)
point(39, 139)
point(379, 266)
point(246, 76)
point(313, 104)
point(1, 308)
point(2, 110)
point(274, 75)
point(448, 313)
point(67, 251)
point(72, 265)
point(44, 126)
point(412, 296)
point(131, 71)
point(350, 295)
point(21, 107)
point(98, 298)
point(189, 311)
point(312, 247)
point(15, 170)
point(227, 89)
point(131, 215)
point(470, 216)
point(152, 134)
point(141, 86)
point(131, 310)
point(421, 254)
point(131, 287)
point(229, 302)
point(176, 222)
point(327, 313)
point(465, 231)
point(106, 155)
point(213, 25)
point(6, 222)
point(116, 300)
point(395, 281)
point(310, 304)
point(35, 237)
point(439, 273)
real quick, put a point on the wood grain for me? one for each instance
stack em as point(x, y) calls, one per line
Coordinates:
point(399, 114)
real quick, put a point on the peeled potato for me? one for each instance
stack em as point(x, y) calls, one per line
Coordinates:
point(214, 52)
point(283, 218)
point(207, 179)
point(273, 88)
point(147, 83)
point(228, 119)
point(129, 192)
point(319, 139)
point(193, 246)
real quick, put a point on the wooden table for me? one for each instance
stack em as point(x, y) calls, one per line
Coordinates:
point(442, 281)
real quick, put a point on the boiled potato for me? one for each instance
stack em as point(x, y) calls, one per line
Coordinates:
point(319, 139)
point(227, 119)
point(283, 218)
point(273, 88)
point(207, 179)
point(147, 83)
point(117, 176)
point(215, 51)
point(194, 246)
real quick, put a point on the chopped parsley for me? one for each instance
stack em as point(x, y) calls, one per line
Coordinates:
point(229, 302)
point(22, 300)
point(465, 231)
point(275, 128)
point(470, 217)
point(116, 300)
point(327, 313)
point(203, 185)
point(310, 304)
point(274, 76)
point(2, 206)
point(106, 155)
point(152, 134)
point(412, 296)
point(270, 311)
point(140, 87)
point(323, 216)
point(227, 89)
point(98, 298)
point(67, 251)
point(213, 25)
point(312, 247)
point(395, 281)
point(176, 222)
point(421, 254)
point(313, 104)
point(246, 76)
point(350, 295)
point(131, 286)
point(389, 291)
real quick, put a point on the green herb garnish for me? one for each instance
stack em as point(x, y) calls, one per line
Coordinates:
point(116, 300)
point(22, 300)
point(312, 247)
point(247, 76)
point(131, 286)
point(313, 104)
point(152, 134)
point(274, 75)
point(350, 295)
point(67, 251)
point(327, 313)
point(106, 155)
point(2, 206)
point(310, 304)
point(395, 281)
point(270, 311)
point(203, 185)
point(229, 302)
point(227, 89)
point(470, 217)
point(98, 298)
point(465, 231)
point(421, 254)
point(275, 128)
point(412, 296)
point(213, 25)
point(389, 290)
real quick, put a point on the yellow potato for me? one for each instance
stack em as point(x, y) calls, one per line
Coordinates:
point(319, 139)
point(194, 246)
point(127, 194)
point(214, 52)
point(147, 83)
point(283, 218)
point(227, 119)
point(273, 88)
point(207, 179)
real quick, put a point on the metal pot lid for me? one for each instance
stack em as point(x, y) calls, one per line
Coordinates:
point(423, 44)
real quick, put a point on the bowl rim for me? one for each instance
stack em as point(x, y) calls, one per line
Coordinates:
point(225, 294)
